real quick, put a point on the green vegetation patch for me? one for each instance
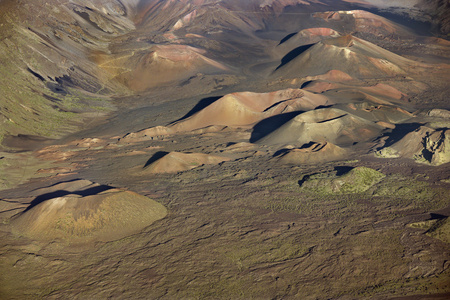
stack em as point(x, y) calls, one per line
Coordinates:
point(33, 102)
point(402, 191)
point(440, 230)
point(436, 228)
point(357, 180)
point(329, 194)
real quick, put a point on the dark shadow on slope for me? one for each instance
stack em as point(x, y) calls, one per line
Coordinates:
point(332, 119)
point(323, 106)
point(61, 193)
point(304, 179)
point(286, 38)
point(199, 106)
point(67, 81)
point(275, 104)
point(304, 146)
point(56, 88)
point(58, 183)
point(399, 132)
point(293, 54)
point(434, 216)
point(440, 221)
point(342, 170)
point(37, 75)
point(307, 145)
point(270, 124)
point(306, 83)
point(281, 152)
point(87, 18)
point(155, 157)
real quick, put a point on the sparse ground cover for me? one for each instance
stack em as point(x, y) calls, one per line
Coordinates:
point(250, 229)
point(338, 224)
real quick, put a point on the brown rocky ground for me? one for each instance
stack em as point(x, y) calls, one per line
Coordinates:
point(274, 186)
point(243, 229)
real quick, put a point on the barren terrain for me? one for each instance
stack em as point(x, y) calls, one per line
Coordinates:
point(281, 149)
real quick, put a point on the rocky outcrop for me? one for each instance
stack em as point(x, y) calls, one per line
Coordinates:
point(426, 145)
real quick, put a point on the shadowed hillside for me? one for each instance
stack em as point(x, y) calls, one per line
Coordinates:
point(224, 149)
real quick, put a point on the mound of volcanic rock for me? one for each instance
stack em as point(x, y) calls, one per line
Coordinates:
point(79, 211)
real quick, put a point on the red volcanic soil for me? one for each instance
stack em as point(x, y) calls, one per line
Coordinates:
point(324, 125)
point(320, 31)
point(161, 64)
point(312, 153)
point(221, 149)
point(241, 109)
point(354, 56)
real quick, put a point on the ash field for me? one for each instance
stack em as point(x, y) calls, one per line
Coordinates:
point(224, 149)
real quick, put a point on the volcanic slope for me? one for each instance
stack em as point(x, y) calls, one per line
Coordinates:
point(80, 211)
point(242, 109)
point(159, 65)
point(354, 56)
point(303, 38)
point(311, 153)
point(325, 125)
point(425, 144)
point(230, 183)
point(361, 21)
point(331, 24)
point(51, 86)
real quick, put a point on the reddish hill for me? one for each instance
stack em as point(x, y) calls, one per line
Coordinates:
point(364, 21)
point(329, 125)
point(354, 56)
